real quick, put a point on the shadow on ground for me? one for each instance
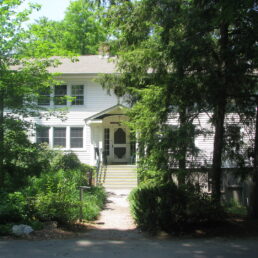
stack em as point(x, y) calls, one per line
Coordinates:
point(149, 248)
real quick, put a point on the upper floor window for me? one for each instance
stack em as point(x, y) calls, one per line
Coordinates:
point(60, 93)
point(76, 137)
point(44, 97)
point(42, 135)
point(60, 136)
point(78, 93)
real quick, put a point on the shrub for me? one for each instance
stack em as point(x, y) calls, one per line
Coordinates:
point(13, 208)
point(5, 229)
point(93, 202)
point(57, 197)
point(169, 208)
point(68, 161)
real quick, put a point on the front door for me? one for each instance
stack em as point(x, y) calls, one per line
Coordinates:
point(120, 145)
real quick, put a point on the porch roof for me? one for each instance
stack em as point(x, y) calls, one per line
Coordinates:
point(115, 110)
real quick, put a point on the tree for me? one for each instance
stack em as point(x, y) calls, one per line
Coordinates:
point(147, 33)
point(83, 28)
point(222, 36)
point(21, 79)
point(202, 52)
point(47, 38)
point(79, 33)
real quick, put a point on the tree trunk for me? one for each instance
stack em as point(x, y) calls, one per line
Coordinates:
point(182, 147)
point(1, 138)
point(217, 150)
point(220, 108)
point(253, 204)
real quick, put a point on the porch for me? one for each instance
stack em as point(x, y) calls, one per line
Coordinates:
point(111, 140)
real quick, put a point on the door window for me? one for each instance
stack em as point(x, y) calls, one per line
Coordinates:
point(119, 136)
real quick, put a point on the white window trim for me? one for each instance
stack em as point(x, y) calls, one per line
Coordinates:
point(70, 94)
point(83, 137)
point(68, 137)
point(60, 148)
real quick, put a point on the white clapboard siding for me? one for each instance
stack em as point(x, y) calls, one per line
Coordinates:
point(206, 142)
point(96, 99)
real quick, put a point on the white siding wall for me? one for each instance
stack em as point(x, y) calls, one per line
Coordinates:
point(205, 142)
point(95, 100)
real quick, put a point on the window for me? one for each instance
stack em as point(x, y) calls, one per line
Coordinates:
point(119, 136)
point(77, 91)
point(76, 138)
point(106, 141)
point(42, 135)
point(60, 93)
point(60, 137)
point(44, 97)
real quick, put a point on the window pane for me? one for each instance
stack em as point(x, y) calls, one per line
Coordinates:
point(60, 90)
point(106, 140)
point(119, 136)
point(44, 97)
point(76, 132)
point(59, 132)
point(42, 135)
point(77, 89)
point(60, 137)
point(76, 143)
point(78, 93)
point(76, 138)
point(60, 142)
point(60, 93)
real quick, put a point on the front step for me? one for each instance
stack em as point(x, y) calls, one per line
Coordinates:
point(118, 176)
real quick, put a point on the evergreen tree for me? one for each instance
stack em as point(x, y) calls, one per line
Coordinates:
point(200, 52)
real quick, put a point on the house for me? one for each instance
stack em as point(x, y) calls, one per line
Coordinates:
point(93, 122)
point(93, 127)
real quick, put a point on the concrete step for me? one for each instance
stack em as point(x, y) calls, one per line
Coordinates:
point(119, 184)
point(119, 176)
point(118, 180)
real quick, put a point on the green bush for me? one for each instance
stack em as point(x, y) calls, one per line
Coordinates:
point(169, 208)
point(13, 208)
point(68, 161)
point(5, 229)
point(57, 197)
point(93, 202)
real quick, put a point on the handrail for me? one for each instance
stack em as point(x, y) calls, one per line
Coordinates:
point(104, 158)
point(98, 165)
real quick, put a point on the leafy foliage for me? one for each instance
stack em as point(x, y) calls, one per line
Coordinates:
point(21, 81)
point(56, 196)
point(13, 208)
point(196, 55)
point(166, 207)
point(79, 33)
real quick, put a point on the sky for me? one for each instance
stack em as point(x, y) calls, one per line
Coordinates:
point(53, 9)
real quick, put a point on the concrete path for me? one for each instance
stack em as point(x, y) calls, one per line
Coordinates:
point(115, 221)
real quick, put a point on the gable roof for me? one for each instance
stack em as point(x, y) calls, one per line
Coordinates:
point(117, 109)
point(89, 64)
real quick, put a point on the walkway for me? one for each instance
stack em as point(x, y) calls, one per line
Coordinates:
point(115, 221)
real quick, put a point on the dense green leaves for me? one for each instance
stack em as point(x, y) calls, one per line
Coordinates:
point(200, 55)
point(79, 33)
point(171, 209)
